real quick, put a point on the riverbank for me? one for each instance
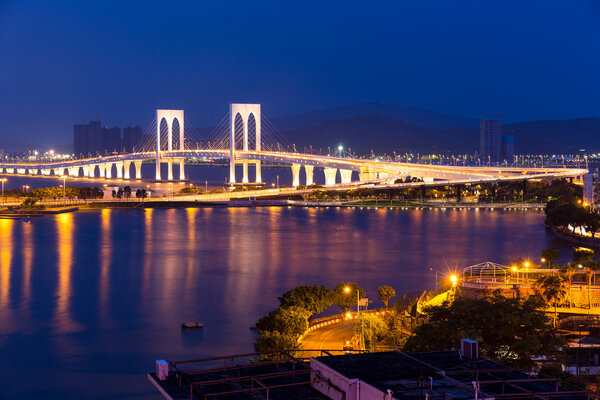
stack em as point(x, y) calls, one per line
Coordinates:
point(574, 238)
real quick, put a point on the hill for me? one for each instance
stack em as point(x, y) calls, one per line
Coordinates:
point(384, 134)
point(407, 114)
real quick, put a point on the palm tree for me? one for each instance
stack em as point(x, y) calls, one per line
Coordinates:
point(590, 269)
point(552, 288)
point(568, 272)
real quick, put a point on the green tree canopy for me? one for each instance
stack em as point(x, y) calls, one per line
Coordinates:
point(289, 321)
point(275, 341)
point(347, 298)
point(550, 254)
point(511, 331)
point(314, 299)
point(385, 293)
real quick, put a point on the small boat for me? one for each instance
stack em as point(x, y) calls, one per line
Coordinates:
point(191, 325)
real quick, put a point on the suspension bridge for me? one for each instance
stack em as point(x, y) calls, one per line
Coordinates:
point(245, 137)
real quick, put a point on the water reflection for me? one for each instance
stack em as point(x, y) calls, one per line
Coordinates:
point(64, 234)
point(27, 251)
point(6, 255)
point(106, 249)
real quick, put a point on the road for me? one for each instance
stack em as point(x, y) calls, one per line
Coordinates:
point(330, 337)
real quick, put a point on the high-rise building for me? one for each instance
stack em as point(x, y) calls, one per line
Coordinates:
point(87, 139)
point(131, 137)
point(92, 139)
point(79, 139)
point(111, 139)
point(507, 149)
point(490, 131)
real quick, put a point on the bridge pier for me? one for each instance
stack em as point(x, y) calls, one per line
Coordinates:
point(366, 174)
point(101, 171)
point(127, 166)
point(258, 172)
point(296, 174)
point(119, 166)
point(33, 171)
point(91, 171)
point(86, 171)
point(309, 170)
point(346, 176)
point(170, 169)
point(330, 174)
point(182, 169)
point(138, 170)
point(245, 171)
point(108, 167)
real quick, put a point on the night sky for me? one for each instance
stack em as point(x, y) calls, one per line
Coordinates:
point(67, 61)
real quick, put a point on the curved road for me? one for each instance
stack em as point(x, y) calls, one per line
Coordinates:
point(330, 337)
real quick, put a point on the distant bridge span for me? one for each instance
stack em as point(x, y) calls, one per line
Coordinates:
point(370, 172)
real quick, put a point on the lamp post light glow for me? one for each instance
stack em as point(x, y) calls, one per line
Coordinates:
point(453, 279)
point(340, 149)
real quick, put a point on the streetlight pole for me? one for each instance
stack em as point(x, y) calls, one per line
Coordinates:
point(64, 190)
point(436, 278)
point(3, 180)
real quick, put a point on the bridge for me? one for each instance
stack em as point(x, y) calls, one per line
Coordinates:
point(240, 138)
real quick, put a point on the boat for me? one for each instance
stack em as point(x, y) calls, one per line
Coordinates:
point(192, 325)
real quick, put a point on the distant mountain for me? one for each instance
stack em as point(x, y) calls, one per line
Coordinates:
point(384, 134)
point(559, 137)
point(410, 115)
point(380, 133)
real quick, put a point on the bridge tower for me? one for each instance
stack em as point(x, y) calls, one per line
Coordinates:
point(244, 111)
point(169, 116)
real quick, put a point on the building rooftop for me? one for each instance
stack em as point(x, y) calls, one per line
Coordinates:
point(444, 374)
point(402, 376)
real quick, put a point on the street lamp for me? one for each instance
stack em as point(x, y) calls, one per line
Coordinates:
point(348, 289)
point(3, 180)
point(64, 190)
point(340, 148)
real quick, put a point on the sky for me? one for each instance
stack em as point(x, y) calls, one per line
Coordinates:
point(64, 62)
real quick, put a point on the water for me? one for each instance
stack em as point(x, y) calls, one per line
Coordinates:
point(89, 300)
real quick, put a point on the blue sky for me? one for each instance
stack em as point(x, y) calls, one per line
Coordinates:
point(68, 61)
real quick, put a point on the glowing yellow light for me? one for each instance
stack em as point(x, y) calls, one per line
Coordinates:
point(543, 260)
point(348, 315)
point(453, 279)
point(526, 264)
point(514, 269)
point(347, 289)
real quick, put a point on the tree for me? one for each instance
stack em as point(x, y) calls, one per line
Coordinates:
point(127, 192)
point(550, 255)
point(590, 269)
point(313, 299)
point(347, 298)
point(582, 256)
point(290, 321)
point(567, 274)
point(552, 288)
point(509, 330)
point(372, 328)
point(276, 341)
point(385, 293)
